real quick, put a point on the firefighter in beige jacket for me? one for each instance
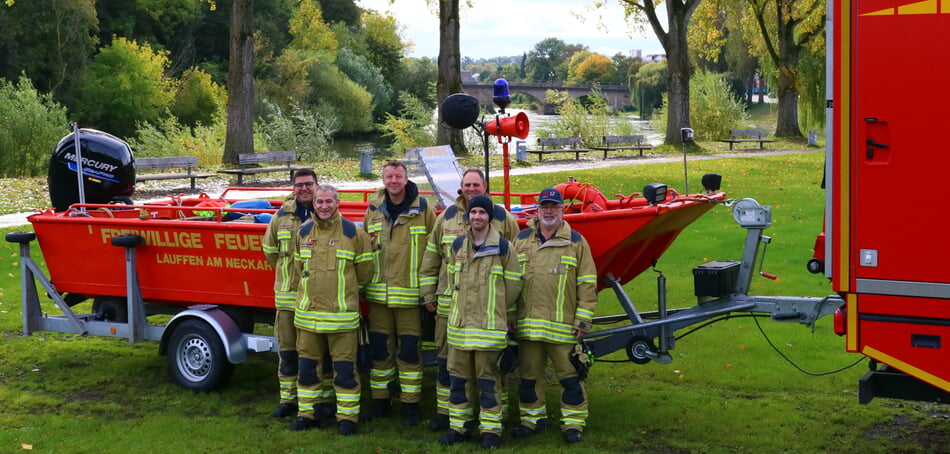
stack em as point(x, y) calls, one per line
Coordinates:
point(398, 221)
point(555, 311)
point(334, 259)
point(449, 225)
point(485, 280)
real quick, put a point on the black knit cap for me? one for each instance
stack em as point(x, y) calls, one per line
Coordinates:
point(484, 202)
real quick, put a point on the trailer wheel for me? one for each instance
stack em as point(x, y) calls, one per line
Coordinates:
point(816, 266)
point(638, 349)
point(196, 356)
point(110, 308)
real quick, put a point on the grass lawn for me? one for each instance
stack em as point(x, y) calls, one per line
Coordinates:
point(727, 390)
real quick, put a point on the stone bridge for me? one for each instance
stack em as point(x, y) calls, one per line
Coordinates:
point(617, 96)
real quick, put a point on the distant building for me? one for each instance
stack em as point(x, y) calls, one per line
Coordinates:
point(653, 58)
point(468, 77)
point(636, 53)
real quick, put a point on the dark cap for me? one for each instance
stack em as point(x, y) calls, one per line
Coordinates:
point(484, 202)
point(550, 195)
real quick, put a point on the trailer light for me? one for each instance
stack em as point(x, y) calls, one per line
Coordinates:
point(712, 182)
point(654, 193)
point(840, 320)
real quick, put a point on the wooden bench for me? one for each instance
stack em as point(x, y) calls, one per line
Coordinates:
point(560, 145)
point(188, 163)
point(249, 162)
point(620, 143)
point(747, 135)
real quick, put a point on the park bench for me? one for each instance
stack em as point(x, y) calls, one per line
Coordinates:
point(746, 135)
point(620, 143)
point(188, 163)
point(559, 145)
point(249, 163)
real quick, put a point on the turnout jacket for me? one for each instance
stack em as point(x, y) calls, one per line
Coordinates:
point(449, 225)
point(279, 246)
point(398, 243)
point(560, 288)
point(484, 285)
point(333, 259)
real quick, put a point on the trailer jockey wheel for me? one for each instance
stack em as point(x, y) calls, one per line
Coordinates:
point(816, 266)
point(641, 349)
point(110, 308)
point(196, 356)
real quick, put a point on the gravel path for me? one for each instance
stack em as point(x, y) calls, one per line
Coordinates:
point(153, 190)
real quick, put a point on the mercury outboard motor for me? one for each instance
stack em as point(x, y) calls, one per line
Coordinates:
point(107, 167)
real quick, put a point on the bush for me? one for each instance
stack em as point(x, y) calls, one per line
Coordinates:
point(31, 124)
point(412, 128)
point(309, 133)
point(170, 138)
point(713, 108)
point(590, 119)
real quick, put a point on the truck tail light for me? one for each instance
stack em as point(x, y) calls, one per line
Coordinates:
point(840, 319)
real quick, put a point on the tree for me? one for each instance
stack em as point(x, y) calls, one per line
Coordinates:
point(124, 84)
point(32, 124)
point(591, 68)
point(450, 70)
point(198, 100)
point(674, 42)
point(239, 137)
point(48, 40)
point(788, 27)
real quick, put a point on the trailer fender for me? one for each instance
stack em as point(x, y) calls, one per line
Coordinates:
point(227, 330)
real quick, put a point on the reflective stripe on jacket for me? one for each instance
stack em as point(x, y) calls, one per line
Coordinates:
point(449, 225)
point(333, 259)
point(485, 285)
point(398, 248)
point(560, 288)
point(279, 246)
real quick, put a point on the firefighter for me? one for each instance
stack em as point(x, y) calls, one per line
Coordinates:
point(484, 280)
point(398, 221)
point(279, 246)
point(333, 259)
point(554, 313)
point(449, 225)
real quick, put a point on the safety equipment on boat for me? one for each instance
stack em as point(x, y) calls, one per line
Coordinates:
point(589, 198)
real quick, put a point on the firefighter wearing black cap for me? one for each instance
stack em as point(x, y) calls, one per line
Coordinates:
point(449, 225)
point(485, 281)
point(554, 312)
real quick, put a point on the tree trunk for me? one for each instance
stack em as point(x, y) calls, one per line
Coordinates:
point(450, 71)
point(240, 129)
point(786, 124)
point(677, 60)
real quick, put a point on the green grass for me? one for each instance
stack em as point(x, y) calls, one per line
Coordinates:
point(726, 390)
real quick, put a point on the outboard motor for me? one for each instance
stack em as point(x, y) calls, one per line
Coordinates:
point(107, 167)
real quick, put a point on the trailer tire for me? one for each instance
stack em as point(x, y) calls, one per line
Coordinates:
point(111, 308)
point(196, 356)
point(816, 266)
point(638, 347)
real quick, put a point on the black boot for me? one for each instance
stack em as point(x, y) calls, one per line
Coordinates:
point(410, 415)
point(284, 410)
point(439, 423)
point(379, 409)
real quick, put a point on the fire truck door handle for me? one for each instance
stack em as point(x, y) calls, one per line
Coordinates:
point(871, 145)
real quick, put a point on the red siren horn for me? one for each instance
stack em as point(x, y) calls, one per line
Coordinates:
point(516, 126)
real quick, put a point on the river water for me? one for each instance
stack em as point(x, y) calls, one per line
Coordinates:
point(348, 148)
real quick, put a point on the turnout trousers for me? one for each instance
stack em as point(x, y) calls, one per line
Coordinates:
point(533, 356)
point(394, 334)
point(480, 367)
point(314, 359)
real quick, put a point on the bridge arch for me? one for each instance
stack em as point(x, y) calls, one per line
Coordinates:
point(617, 96)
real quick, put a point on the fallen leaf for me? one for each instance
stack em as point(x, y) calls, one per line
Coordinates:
point(26, 446)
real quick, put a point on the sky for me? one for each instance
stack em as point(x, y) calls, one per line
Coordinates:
point(501, 28)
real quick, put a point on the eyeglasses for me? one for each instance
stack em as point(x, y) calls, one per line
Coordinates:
point(305, 184)
point(551, 207)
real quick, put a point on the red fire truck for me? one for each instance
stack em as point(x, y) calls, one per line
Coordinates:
point(888, 88)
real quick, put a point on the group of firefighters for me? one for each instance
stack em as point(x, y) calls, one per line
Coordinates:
point(488, 284)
